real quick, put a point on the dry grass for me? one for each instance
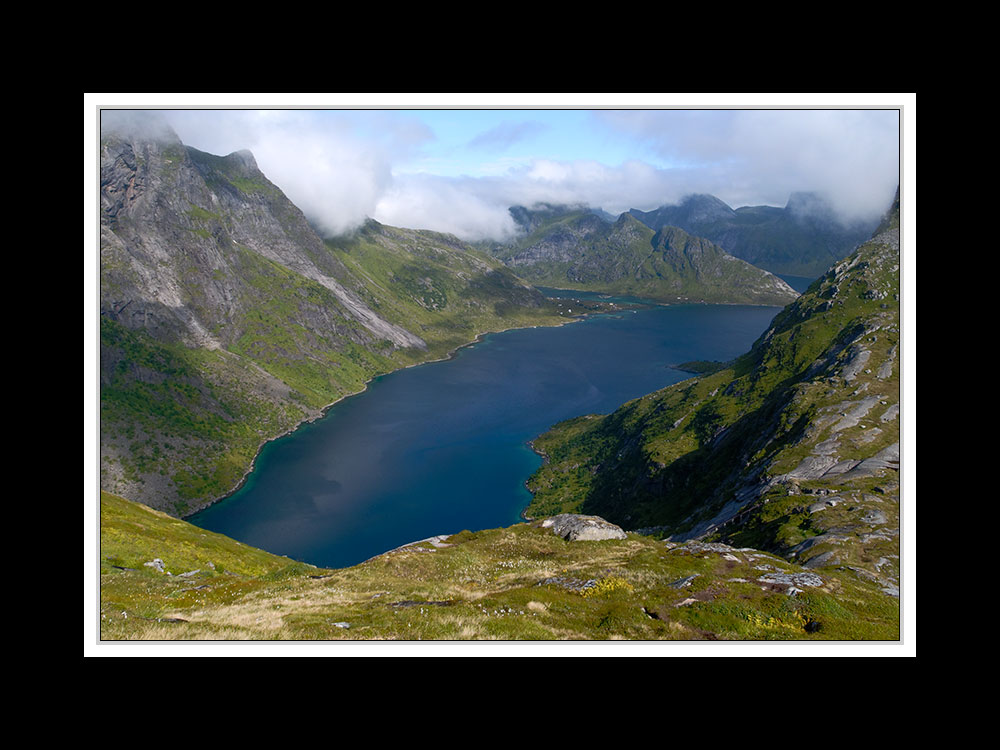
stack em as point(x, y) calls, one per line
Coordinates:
point(484, 587)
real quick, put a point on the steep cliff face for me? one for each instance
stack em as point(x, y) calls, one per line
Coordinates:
point(226, 320)
point(804, 238)
point(576, 249)
point(186, 236)
point(793, 447)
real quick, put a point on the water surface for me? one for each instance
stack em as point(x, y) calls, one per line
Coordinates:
point(442, 447)
point(799, 283)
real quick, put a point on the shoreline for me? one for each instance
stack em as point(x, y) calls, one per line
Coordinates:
point(325, 409)
point(545, 460)
point(650, 301)
point(448, 356)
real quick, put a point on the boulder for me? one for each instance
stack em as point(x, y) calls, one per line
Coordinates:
point(573, 527)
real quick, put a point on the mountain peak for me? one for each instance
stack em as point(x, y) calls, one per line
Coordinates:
point(245, 158)
point(803, 238)
point(891, 218)
point(809, 204)
point(704, 207)
point(137, 125)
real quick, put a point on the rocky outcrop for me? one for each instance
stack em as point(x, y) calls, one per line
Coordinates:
point(176, 226)
point(574, 527)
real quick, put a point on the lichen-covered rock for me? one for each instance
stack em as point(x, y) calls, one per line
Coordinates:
point(573, 527)
point(792, 579)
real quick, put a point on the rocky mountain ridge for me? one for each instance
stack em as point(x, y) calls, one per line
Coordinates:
point(174, 218)
point(574, 248)
point(803, 239)
point(792, 448)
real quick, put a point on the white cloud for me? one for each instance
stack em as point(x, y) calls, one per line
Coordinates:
point(469, 208)
point(341, 167)
point(477, 207)
point(335, 166)
point(748, 157)
point(507, 134)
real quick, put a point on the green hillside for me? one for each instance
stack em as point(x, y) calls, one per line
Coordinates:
point(792, 448)
point(442, 289)
point(163, 579)
point(804, 238)
point(571, 248)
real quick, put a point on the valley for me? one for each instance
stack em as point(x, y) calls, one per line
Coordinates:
point(602, 427)
point(444, 446)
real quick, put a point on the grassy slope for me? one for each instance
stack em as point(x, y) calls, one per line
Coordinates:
point(517, 583)
point(439, 288)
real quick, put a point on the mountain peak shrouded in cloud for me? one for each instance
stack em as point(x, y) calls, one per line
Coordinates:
point(419, 168)
point(753, 157)
point(801, 239)
point(136, 123)
point(702, 207)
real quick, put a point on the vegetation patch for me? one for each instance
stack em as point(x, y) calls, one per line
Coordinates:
point(163, 578)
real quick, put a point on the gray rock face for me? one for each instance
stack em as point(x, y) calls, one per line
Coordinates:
point(175, 220)
point(816, 540)
point(859, 358)
point(681, 583)
point(830, 557)
point(816, 507)
point(574, 528)
point(890, 414)
point(875, 517)
point(885, 370)
point(885, 459)
point(813, 467)
point(793, 579)
point(854, 413)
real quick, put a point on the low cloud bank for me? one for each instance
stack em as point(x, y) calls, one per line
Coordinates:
point(341, 168)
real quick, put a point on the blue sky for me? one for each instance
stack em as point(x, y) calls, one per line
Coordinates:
point(458, 170)
point(490, 142)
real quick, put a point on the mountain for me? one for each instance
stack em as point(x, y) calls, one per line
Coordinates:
point(443, 290)
point(225, 320)
point(783, 463)
point(792, 448)
point(803, 239)
point(573, 248)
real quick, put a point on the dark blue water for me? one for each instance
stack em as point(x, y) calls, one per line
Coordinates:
point(442, 447)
